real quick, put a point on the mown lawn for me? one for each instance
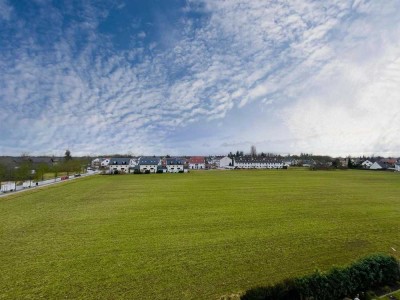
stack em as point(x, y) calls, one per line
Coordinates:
point(191, 236)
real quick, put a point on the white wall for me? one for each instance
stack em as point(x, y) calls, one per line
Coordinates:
point(224, 162)
point(151, 168)
point(119, 168)
point(367, 164)
point(105, 162)
point(197, 166)
point(375, 166)
point(263, 165)
point(174, 168)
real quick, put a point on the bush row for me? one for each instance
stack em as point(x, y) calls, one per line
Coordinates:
point(367, 273)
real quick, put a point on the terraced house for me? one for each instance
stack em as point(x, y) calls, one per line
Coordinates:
point(148, 164)
point(197, 163)
point(175, 165)
point(119, 164)
point(248, 162)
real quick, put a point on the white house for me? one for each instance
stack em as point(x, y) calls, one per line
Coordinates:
point(308, 163)
point(225, 162)
point(148, 164)
point(119, 165)
point(248, 162)
point(397, 167)
point(96, 163)
point(197, 163)
point(175, 165)
point(133, 163)
point(289, 162)
point(376, 166)
point(105, 162)
point(367, 164)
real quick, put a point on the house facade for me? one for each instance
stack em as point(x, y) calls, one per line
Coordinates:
point(119, 165)
point(289, 162)
point(308, 163)
point(105, 162)
point(225, 162)
point(197, 163)
point(96, 163)
point(175, 165)
point(258, 163)
point(378, 166)
point(367, 164)
point(397, 167)
point(148, 164)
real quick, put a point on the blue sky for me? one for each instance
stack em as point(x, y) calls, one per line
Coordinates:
point(199, 77)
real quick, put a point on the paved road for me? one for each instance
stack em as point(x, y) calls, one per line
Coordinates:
point(48, 182)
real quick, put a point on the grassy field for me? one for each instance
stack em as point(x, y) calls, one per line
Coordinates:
point(191, 236)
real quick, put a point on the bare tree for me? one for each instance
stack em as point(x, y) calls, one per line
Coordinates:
point(253, 151)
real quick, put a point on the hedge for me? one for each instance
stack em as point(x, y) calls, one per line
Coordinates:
point(370, 272)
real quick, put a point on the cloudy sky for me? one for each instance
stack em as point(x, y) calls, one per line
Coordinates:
point(200, 76)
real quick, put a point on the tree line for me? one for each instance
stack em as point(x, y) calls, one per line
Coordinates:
point(28, 170)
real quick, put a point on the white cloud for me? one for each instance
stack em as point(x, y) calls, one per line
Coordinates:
point(322, 67)
point(350, 106)
point(5, 10)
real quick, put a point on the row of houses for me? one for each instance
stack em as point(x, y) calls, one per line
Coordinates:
point(148, 164)
point(381, 164)
point(151, 164)
point(249, 162)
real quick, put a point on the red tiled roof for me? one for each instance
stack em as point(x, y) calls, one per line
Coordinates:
point(196, 160)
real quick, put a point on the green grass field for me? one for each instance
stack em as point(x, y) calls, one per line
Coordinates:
point(191, 236)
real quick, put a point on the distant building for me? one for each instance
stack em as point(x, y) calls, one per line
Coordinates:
point(119, 165)
point(175, 165)
point(225, 162)
point(96, 163)
point(248, 162)
point(397, 167)
point(379, 166)
point(389, 161)
point(289, 162)
point(344, 162)
point(366, 164)
point(197, 163)
point(149, 164)
point(308, 163)
point(105, 162)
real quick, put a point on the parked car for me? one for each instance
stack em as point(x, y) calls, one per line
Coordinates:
point(77, 175)
point(28, 184)
point(64, 177)
point(8, 186)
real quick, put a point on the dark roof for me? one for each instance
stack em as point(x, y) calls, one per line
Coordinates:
point(391, 161)
point(308, 161)
point(384, 165)
point(175, 161)
point(119, 161)
point(149, 160)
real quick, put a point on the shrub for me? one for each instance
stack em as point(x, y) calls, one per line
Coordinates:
point(370, 272)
